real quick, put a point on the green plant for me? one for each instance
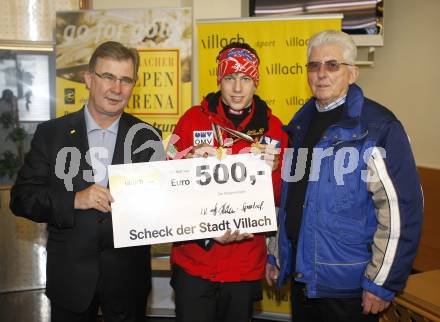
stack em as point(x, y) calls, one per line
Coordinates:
point(7, 120)
point(9, 164)
point(10, 161)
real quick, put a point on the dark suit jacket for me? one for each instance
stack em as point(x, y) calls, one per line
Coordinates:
point(80, 253)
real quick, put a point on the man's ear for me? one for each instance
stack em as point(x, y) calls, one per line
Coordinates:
point(88, 79)
point(354, 74)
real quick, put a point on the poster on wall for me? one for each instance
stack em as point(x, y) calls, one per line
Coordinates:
point(281, 45)
point(25, 84)
point(163, 38)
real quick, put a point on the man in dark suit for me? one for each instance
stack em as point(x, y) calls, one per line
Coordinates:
point(64, 184)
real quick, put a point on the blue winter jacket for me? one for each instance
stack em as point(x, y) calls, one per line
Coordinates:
point(362, 213)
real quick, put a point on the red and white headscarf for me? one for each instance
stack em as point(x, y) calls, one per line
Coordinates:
point(238, 60)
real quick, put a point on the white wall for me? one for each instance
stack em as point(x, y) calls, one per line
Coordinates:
point(212, 9)
point(128, 4)
point(405, 77)
point(202, 9)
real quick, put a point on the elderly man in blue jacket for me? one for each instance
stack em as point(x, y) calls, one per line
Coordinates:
point(351, 203)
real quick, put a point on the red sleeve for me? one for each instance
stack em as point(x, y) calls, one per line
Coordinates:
point(180, 142)
point(275, 131)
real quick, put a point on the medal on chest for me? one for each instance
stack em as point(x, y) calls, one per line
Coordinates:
point(223, 144)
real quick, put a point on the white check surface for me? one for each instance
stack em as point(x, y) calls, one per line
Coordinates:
point(168, 201)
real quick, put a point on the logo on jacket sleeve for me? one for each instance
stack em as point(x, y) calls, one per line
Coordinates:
point(200, 137)
point(268, 140)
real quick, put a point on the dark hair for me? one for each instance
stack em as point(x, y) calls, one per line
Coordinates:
point(116, 51)
point(238, 45)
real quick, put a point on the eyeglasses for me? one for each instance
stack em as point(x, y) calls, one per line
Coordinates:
point(329, 65)
point(111, 79)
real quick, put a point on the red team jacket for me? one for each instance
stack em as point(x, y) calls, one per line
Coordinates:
point(244, 261)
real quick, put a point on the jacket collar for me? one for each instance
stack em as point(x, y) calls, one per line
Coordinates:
point(350, 115)
point(78, 132)
point(78, 135)
point(118, 155)
point(255, 124)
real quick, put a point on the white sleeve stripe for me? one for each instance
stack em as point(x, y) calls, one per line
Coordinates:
point(394, 220)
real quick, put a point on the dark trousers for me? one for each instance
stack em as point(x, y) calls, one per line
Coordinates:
point(200, 300)
point(112, 311)
point(117, 294)
point(60, 314)
point(305, 309)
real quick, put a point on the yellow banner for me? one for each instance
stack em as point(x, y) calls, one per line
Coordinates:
point(157, 90)
point(275, 300)
point(282, 48)
point(163, 39)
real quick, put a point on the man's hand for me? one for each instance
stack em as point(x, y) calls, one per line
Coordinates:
point(201, 150)
point(372, 303)
point(229, 237)
point(96, 197)
point(271, 155)
point(271, 274)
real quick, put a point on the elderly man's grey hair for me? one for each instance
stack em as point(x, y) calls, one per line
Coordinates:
point(344, 41)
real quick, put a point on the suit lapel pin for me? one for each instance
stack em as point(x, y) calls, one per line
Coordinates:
point(72, 131)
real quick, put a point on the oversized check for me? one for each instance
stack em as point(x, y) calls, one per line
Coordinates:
point(168, 201)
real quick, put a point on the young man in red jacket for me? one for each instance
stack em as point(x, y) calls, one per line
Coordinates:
point(220, 279)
